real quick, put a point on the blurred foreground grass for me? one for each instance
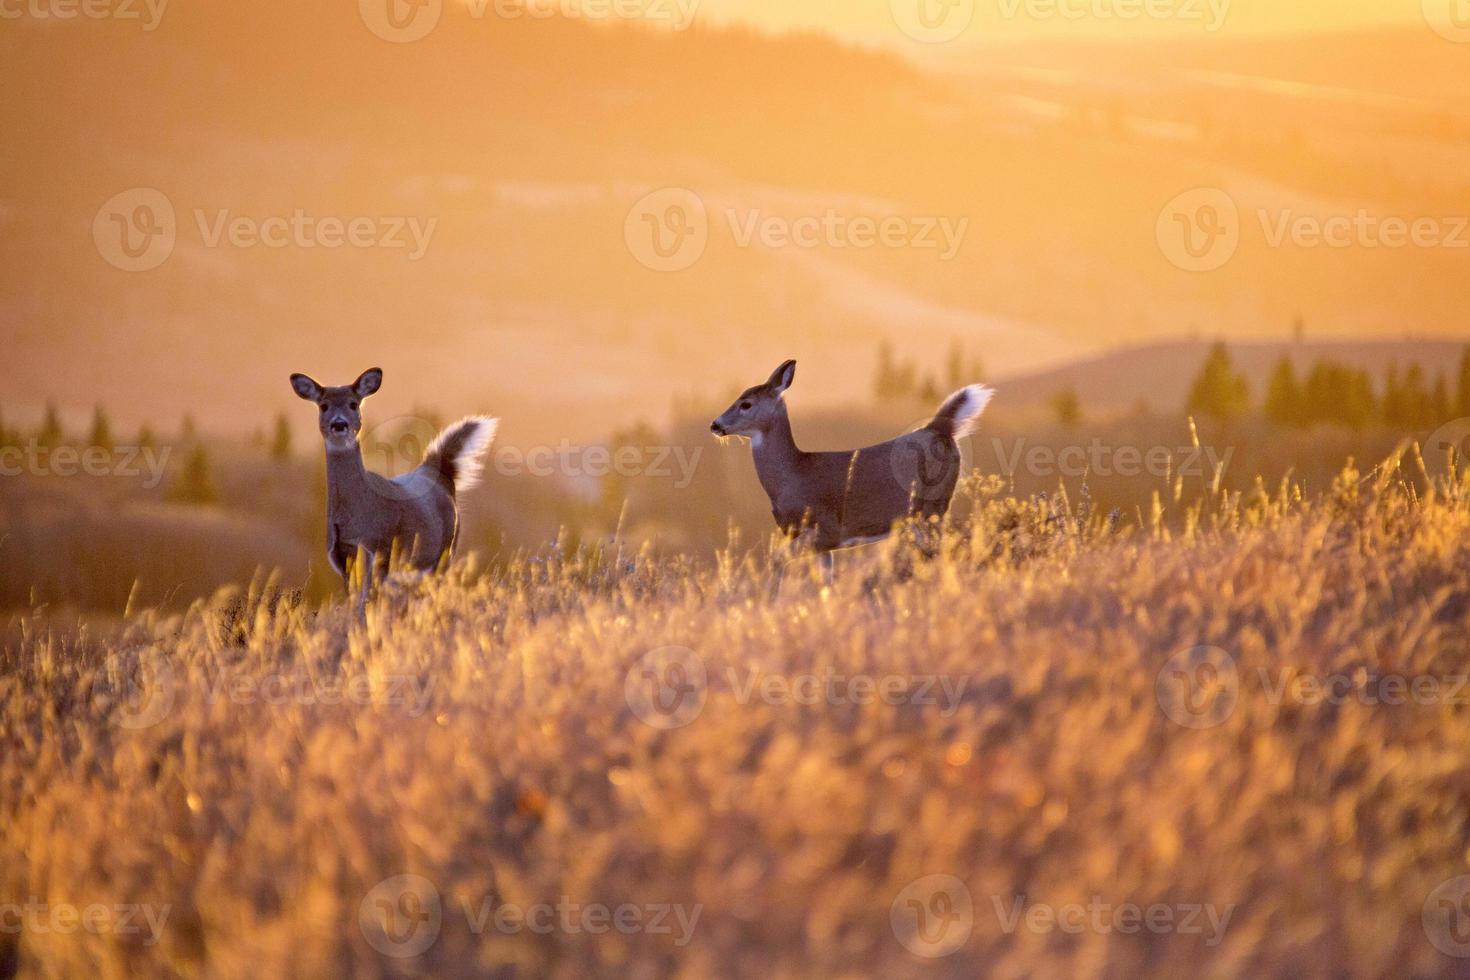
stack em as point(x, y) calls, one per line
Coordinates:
point(1072, 745)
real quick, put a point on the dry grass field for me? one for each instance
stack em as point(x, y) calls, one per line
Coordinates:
point(1229, 741)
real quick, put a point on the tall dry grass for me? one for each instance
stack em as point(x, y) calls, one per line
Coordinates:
point(501, 741)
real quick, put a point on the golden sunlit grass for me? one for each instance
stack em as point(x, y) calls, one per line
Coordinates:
point(500, 738)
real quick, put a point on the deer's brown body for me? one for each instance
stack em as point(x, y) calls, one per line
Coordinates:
point(413, 518)
point(846, 498)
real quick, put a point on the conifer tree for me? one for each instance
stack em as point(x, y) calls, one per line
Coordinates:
point(51, 433)
point(195, 485)
point(1219, 392)
point(281, 441)
point(1284, 397)
point(101, 436)
point(1462, 388)
point(1067, 407)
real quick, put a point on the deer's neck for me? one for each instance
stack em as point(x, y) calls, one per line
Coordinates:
point(346, 480)
point(776, 455)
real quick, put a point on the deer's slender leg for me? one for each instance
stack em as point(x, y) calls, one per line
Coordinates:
point(927, 536)
point(786, 553)
point(366, 563)
point(829, 572)
point(780, 557)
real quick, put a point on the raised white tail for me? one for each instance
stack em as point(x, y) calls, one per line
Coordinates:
point(960, 413)
point(459, 451)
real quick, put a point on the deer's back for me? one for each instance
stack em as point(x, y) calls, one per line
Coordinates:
point(860, 494)
point(414, 512)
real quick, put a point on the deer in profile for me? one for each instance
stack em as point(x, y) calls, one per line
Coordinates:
point(835, 500)
point(414, 517)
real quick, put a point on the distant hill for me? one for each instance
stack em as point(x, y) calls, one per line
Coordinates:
point(1160, 374)
point(530, 299)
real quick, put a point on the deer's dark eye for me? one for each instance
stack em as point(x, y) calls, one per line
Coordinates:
point(745, 406)
point(323, 407)
point(353, 406)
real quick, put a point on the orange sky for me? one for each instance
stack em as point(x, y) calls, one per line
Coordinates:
point(873, 20)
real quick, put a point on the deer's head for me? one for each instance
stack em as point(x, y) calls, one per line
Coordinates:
point(340, 407)
point(757, 408)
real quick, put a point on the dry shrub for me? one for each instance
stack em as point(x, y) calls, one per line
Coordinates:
point(493, 743)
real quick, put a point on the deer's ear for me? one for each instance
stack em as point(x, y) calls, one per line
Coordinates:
point(370, 381)
point(306, 388)
point(782, 377)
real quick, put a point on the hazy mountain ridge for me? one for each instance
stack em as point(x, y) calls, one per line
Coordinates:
point(261, 112)
point(1160, 375)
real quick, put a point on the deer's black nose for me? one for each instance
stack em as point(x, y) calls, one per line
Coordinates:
point(338, 427)
point(716, 428)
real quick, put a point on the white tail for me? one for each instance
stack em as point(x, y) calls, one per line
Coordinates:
point(459, 451)
point(962, 410)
